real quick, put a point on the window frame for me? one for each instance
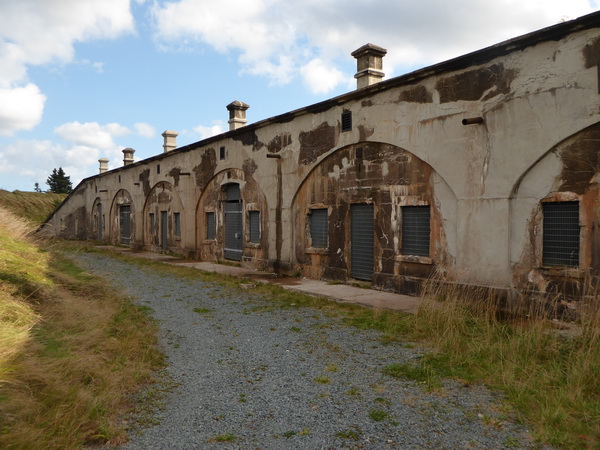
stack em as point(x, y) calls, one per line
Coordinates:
point(549, 239)
point(254, 234)
point(211, 231)
point(322, 240)
point(410, 241)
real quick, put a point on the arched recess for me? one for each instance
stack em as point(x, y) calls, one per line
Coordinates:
point(163, 218)
point(98, 220)
point(122, 219)
point(394, 190)
point(218, 204)
point(566, 175)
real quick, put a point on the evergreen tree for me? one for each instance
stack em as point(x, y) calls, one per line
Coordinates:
point(59, 183)
point(37, 187)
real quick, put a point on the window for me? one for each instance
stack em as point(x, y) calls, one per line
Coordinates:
point(152, 224)
point(319, 228)
point(222, 153)
point(560, 246)
point(254, 218)
point(158, 168)
point(415, 230)
point(210, 225)
point(347, 121)
point(177, 217)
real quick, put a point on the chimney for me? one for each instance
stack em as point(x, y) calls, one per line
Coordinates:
point(237, 114)
point(170, 140)
point(128, 156)
point(368, 65)
point(103, 164)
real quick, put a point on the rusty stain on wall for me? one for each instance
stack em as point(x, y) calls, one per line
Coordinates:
point(473, 84)
point(417, 94)
point(279, 142)
point(206, 169)
point(316, 142)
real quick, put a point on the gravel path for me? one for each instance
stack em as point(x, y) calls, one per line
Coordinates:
point(251, 376)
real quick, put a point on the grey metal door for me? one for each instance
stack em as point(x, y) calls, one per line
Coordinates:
point(361, 241)
point(164, 229)
point(100, 222)
point(125, 224)
point(233, 223)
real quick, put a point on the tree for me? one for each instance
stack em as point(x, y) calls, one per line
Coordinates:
point(37, 187)
point(59, 182)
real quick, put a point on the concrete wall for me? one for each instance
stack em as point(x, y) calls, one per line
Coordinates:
point(534, 138)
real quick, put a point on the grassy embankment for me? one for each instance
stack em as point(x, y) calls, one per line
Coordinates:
point(71, 350)
point(550, 379)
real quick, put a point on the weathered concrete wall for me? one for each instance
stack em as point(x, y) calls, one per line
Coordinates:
point(535, 101)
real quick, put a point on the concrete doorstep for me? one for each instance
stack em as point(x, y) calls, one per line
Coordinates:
point(318, 288)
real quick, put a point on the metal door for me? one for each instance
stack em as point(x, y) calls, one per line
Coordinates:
point(99, 221)
point(164, 229)
point(361, 241)
point(125, 224)
point(233, 223)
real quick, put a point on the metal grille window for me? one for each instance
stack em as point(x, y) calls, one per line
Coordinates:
point(254, 219)
point(561, 234)
point(319, 228)
point(210, 225)
point(347, 121)
point(415, 230)
point(177, 217)
point(152, 224)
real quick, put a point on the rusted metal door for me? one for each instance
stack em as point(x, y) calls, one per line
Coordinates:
point(233, 223)
point(164, 229)
point(125, 224)
point(361, 241)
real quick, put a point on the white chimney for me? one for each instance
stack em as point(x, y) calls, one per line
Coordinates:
point(103, 164)
point(128, 156)
point(170, 140)
point(237, 114)
point(369, 62)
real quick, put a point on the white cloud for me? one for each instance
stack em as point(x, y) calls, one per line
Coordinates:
point(20, 108)
point(321, 77)
point(313, 38)
point(204, 132)
point(145, 130)
point(36, 32)
point(92, 134)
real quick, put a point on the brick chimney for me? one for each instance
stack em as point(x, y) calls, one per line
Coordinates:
point(369, 62)
point(128, 156)
point(103, 164)
point(170, 140)
point(237, 114)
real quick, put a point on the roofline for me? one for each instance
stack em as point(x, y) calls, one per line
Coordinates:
point(551, 33)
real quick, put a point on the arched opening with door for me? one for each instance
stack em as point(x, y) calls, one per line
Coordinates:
point(122, 226)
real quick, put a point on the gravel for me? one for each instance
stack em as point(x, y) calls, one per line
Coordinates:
point(246, 374)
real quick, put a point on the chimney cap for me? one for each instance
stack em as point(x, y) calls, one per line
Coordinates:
point(369, 48)
point(236, 104)
point(169, 133)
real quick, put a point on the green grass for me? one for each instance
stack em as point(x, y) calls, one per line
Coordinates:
point(378, 415)
point(33, 206)
point(72, 352)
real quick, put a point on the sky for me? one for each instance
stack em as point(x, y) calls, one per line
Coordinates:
point(82, 79)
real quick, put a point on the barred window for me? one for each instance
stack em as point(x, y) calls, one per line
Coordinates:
point(416, 230)
point(347, 121)
point(319, 228)
point(254, 219)
point(210, 225)
point(152, 224)
point(177, 217)
point(560, 246)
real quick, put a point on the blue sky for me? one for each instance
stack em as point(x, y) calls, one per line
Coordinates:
point(83, 79)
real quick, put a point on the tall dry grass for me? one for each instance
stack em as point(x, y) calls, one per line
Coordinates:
point(72, 351)
point(548, 371)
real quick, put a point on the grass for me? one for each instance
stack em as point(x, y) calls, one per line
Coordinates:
point(72, 352)
point(32, 206)
point(549, 380)
point(378, 415)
